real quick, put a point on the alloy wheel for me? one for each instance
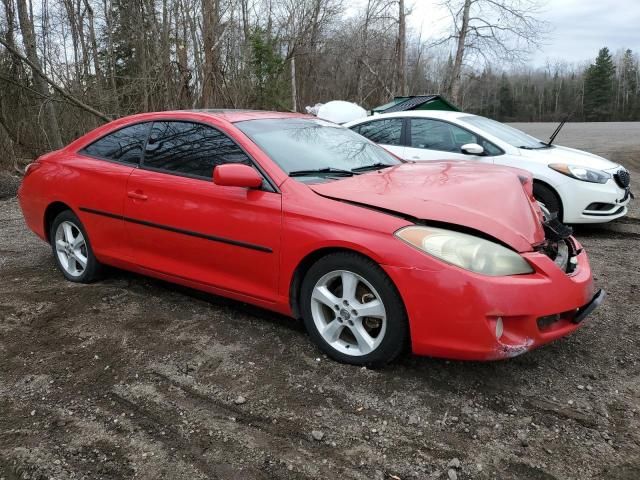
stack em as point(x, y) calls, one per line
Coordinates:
point(348, 313)
point(71, 248)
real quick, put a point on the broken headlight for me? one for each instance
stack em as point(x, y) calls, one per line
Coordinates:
point(466, 251)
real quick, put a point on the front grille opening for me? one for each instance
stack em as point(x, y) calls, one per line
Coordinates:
point(549, 322)
point(622, 178)
point(598, 206)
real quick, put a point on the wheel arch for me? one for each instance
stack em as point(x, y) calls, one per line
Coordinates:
point(554, 191)
point(50, 213)
point(303, 267)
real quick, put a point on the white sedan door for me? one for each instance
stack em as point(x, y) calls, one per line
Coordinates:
point(430, 139)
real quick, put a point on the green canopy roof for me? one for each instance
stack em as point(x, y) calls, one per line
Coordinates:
point(416, 102)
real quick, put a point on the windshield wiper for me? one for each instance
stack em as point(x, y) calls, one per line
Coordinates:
point(373, 166)
point(543, 145)
point(322, 171)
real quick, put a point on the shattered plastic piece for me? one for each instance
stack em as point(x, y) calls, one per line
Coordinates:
point(510, 351)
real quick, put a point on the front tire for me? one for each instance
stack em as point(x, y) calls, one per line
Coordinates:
point(353, 311)
point(72, 249)
point(549, 198)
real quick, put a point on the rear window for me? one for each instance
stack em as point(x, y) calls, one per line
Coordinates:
point(124, 145)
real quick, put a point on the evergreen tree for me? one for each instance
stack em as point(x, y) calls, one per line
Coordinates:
point(628, 86)
point(506, 107)
point(598, 87)
point(267, 66)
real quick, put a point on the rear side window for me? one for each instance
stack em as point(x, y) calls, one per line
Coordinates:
point(387, 132)
point(436, 135)
point(190, 149)
point(124, 145)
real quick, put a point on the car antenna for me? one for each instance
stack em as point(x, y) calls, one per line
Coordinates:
point(559, 127)
point(557, 130)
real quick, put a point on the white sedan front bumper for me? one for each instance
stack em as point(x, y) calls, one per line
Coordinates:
point(585, 202)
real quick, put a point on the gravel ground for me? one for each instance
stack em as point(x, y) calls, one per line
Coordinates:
point(9, 184)
point(133, 377)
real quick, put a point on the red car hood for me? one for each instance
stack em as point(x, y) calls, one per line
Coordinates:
point(486, 198)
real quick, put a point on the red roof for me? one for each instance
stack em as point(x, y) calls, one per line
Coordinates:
point(231, 115)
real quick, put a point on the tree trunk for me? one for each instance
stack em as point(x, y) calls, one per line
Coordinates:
point(244, 4)
point(294, 94)
point(10, 33)
point(364, 36)
point(402, 49)
point(40, 85)
point(94, 44)
point(210, 24)
point(73, 24)
point(456, 69)
point(111, 55)
point(182, 42)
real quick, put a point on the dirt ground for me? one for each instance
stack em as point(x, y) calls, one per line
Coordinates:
point(136, 378)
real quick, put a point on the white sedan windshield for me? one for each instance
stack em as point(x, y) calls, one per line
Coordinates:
point(507, 134)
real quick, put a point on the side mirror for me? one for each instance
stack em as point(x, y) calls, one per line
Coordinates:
point(472, 149)
point(236, 175)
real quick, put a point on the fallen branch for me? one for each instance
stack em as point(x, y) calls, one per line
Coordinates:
point(66, 95)
point(17, 168)
point(375, 74)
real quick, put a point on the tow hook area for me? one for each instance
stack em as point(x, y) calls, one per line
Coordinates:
point(585, 311)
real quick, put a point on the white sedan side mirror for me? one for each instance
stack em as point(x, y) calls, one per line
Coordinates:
point(472, 149)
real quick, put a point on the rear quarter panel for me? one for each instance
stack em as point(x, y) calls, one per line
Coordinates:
point(34, 197)
point(79, 182)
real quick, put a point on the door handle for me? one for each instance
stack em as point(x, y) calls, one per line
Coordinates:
point(137, 195)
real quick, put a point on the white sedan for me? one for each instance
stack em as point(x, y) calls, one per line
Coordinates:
point(578, 186)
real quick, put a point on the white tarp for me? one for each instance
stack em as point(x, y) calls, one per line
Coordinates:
point(337, 111)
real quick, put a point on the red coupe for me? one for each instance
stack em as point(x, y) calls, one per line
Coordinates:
point(309, 219)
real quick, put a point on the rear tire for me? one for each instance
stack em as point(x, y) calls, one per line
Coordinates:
point(72, 249)
point(549, 198)
point(353, 311)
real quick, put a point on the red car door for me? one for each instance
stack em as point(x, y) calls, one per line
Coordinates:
point(99, 174)
point(182, 224)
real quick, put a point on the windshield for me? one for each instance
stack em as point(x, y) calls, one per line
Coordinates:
point(300, 146)
point(507, 134)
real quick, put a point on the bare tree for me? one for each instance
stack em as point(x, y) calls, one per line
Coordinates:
point(485, 30)
point(401, 62)
point(50, 121)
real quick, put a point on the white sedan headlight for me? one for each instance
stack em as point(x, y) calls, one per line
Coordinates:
point(581, 173)
point(466, 251)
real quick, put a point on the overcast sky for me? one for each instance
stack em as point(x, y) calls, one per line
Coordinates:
point(579, 27)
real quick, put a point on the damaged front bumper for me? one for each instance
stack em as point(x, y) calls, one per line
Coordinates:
point(463, 315)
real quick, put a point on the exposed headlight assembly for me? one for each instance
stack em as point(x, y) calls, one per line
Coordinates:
point(581, 173)
point(466, 251)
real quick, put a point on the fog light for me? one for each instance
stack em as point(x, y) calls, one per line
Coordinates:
point(499, 328)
